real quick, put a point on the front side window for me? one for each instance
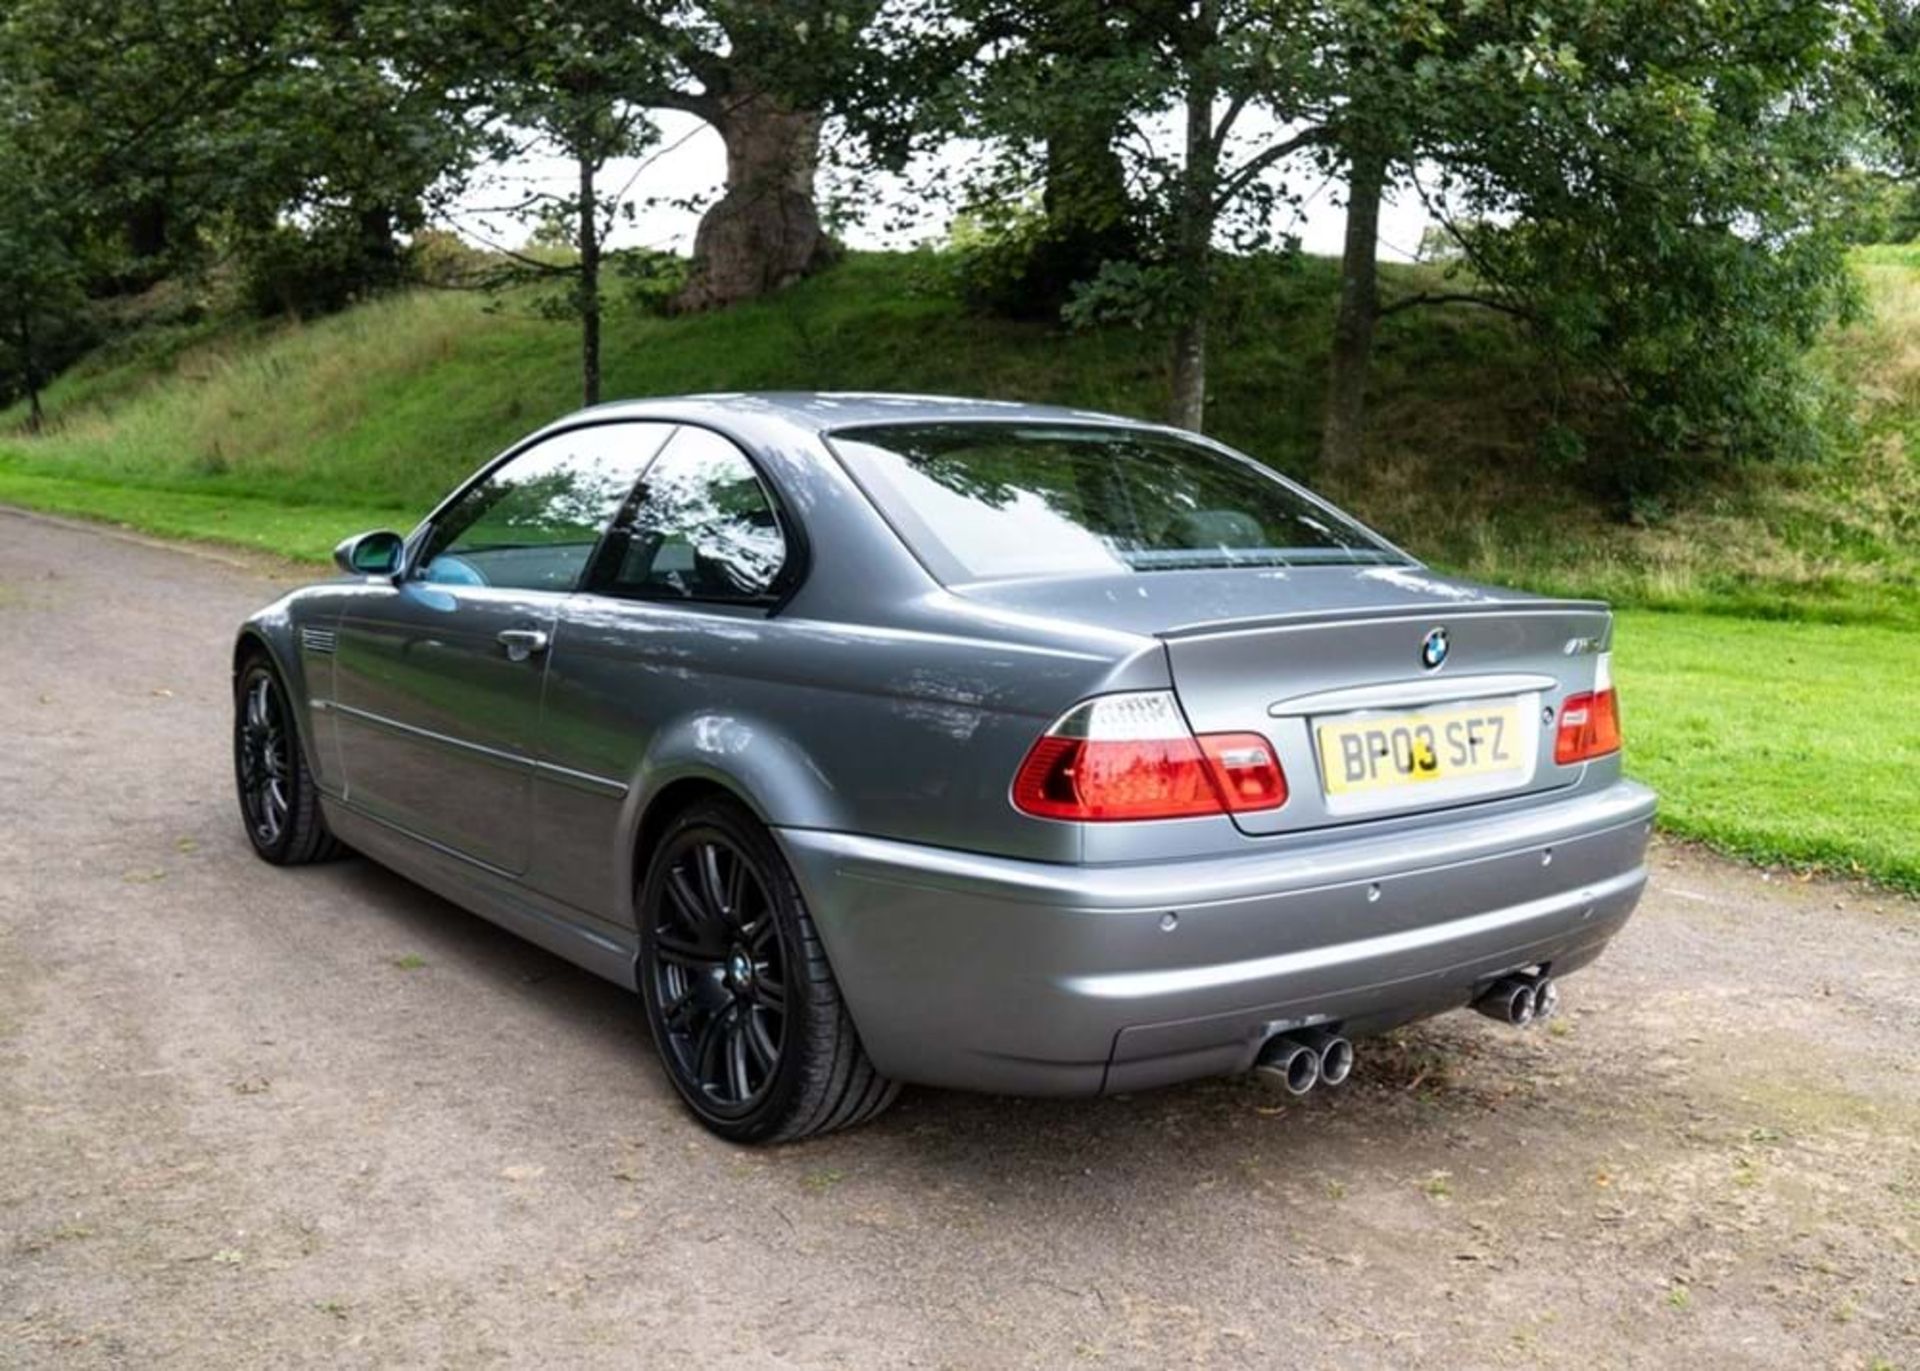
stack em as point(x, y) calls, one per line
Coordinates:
point(704, 527)
point(533, 522)
point(980, 501)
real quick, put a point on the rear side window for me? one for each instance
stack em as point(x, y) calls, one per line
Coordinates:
point(704, 527)
point(984, 501)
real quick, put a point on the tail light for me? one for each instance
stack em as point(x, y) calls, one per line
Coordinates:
point(1132, 756)
point(1589, 723)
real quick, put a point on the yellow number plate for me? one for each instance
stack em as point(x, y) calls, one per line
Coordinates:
point(1384, 751)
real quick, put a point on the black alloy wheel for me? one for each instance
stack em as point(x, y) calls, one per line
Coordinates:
point(743, 1006)
point(720, 975)
point(278, 800)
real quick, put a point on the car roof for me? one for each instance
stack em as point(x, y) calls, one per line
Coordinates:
point(822, 411)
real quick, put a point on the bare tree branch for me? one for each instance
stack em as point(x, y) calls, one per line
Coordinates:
point(1243, 175)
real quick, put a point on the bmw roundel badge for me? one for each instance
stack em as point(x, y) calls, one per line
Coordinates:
point(1433, 649)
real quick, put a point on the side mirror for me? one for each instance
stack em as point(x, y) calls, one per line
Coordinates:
point(371, 554)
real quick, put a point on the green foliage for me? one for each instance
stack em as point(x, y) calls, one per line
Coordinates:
point(443, 258)
point(41, 267)
point(1050, 89)
point(1015, 261)
point(1652, 186)
point(1655, 187)
point(1142, 295)
point(184, 116)
point(1062, 91)
point(1874, 207)
point(299, 138)
point(318, 268)
point(1890, 63)
point(649, 281)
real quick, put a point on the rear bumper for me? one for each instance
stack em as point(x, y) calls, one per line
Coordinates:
point(989, 973)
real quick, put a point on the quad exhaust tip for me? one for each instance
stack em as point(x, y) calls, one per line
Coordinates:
point(1296, 1062)
point(1546, 999)
point(1335, 1052)
point(1520, 1000)
point(1289, 1064)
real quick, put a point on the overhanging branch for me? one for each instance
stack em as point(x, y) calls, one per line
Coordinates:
point(1243, 175)
point(1455, 298)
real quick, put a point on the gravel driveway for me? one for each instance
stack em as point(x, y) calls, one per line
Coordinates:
point(258, 1117)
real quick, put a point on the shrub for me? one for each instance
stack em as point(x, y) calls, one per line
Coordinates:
point(320, 268)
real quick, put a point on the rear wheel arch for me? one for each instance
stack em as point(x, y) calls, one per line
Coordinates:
point(754, 763)
point(668, 803)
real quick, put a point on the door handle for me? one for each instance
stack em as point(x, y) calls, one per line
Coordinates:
point(522, 643)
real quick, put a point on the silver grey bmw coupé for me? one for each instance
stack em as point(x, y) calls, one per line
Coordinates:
point(879, 739)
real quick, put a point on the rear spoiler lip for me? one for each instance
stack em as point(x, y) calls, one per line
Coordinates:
point(1281, 623)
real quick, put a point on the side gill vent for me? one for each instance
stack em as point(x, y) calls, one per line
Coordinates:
point(318, 640)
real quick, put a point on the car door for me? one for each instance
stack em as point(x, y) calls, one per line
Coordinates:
point(438, 678)
point(672, 623)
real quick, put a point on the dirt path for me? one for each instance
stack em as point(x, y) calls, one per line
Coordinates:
point(251, 1117)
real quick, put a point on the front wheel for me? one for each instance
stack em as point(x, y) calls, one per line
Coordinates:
point(742, 1004)
point(279, 802)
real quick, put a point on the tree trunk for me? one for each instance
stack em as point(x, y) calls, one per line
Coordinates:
point(1088, 222)
point(1194, 234)
point(589, 284)
point(146, 225)
point(1086, 191)
point(1341, 440)
point(1088, 219)
point(380, 264)
point(1190, 374)
point(30, 367)
point(146, 229)
point(765, 232)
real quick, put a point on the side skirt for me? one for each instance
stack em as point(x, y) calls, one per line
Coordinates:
point(606, 951)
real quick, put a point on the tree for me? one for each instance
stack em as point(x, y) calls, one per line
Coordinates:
point(1375, 73)
point(40, 273)
point(765, 74)
point(346, 142)
point(1046, 87)
point(572, 75)
point(1892, 69)
point(194, 126)
point(129, 94)
point(1886, 184)
point(145, 140)
point(1224, 73)
point(42, 235)
point(1650, 187)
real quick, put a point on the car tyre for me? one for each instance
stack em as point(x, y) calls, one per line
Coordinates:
point(279, 803)
point(744, 1009)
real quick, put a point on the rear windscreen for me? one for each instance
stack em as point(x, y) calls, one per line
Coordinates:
point(981, 501)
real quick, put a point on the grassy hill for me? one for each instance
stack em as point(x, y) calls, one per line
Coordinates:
point(1792, 743)
point(369, 416)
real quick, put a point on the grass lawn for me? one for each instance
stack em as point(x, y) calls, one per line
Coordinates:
point(1782, 742)
point(304, 533)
